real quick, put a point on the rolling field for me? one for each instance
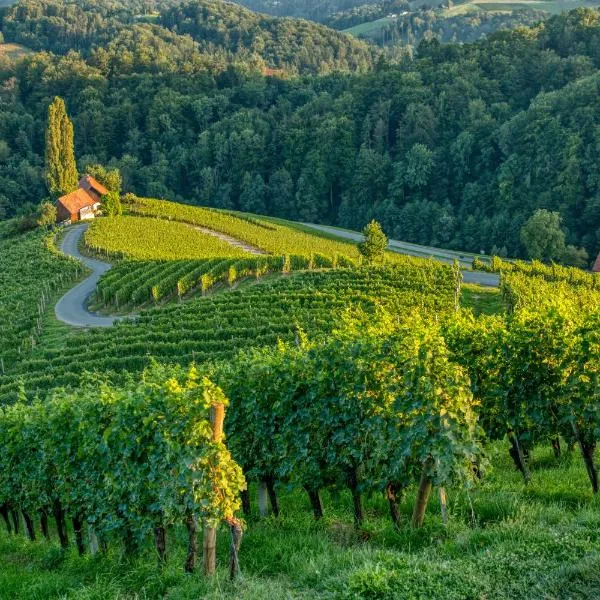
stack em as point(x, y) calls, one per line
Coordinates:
point(373, 29)
point(369, 27)
point(145, 238)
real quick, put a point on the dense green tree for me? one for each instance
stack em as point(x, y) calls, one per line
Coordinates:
point(46, 214)
point(109, 178)
point(61, 170)
point(543, 237)
point(281, 193)
point(252, 198)
point(459, 146)
point(375, 243)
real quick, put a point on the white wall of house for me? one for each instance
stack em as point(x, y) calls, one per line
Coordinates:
point(87, 212)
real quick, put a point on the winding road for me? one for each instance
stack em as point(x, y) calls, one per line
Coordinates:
point(478, 277)
point(71, 308)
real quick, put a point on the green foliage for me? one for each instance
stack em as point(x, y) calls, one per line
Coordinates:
point(110, 178)
point(550, 273)
point(136, 282)
point(47, 214)
point(377, 401)
point(544, 240)
point(125, 459)
point(185, 124)
point(216, 327)
point(111, 204)
point(61, 170)
point(148, 239)
point(31, 270)
point(374, 245)
point(543, 237)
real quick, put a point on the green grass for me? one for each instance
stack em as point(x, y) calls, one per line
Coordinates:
point(480, 299)
point(369, 27)
point(553, 7)
point(503, 542)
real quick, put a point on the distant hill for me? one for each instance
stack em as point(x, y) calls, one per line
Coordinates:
point(222, 32)
point(399, 22)
point(282, 43)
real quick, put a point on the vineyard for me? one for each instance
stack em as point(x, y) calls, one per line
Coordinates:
point(216, 327)
point(133, 283)
point(31, 272)
point(382, 425)
point(536, 268)
point(266, 234)
point(145, 238)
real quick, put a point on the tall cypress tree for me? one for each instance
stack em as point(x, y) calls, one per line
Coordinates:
point(61, 170)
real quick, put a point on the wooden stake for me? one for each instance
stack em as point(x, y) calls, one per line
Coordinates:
point(443, 505)
point(93, 541)
point(235, 527)
point(421, 502)
point(209, 544)
point(209, 547)
point(192, 527)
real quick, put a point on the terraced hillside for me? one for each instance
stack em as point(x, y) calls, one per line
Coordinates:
point(178, 276)
point(352, 388)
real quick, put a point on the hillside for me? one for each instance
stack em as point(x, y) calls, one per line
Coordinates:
point(264, 330)
point(224, 33)
point(169, 257)
point(395, 23)
point(339, 376)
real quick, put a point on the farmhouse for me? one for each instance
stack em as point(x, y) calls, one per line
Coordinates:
point(596, 267)
point(83, 203)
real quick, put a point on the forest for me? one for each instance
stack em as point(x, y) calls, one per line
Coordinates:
point(204, 102)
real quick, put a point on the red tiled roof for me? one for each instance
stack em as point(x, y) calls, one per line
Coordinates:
point(76, 200)
point(88, 182)
point(596, 267)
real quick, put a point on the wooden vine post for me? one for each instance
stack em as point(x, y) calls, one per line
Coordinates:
point(209, 547)
point(422, 499)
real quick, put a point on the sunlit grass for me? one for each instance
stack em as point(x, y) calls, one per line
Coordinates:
point(503, 541)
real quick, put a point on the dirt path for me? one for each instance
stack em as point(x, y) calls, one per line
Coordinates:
point(71, 308)
point(230, 240)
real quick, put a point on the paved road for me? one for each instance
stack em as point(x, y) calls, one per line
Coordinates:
point(71, 308)
point(489, 279)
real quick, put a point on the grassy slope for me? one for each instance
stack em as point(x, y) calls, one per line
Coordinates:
point(504, 541)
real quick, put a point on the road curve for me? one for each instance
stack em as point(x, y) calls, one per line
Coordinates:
point(71, 308)
point(448, 256)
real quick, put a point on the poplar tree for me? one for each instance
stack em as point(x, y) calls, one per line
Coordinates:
point(61, 170)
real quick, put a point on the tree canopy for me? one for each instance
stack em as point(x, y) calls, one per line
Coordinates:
point(456, 146)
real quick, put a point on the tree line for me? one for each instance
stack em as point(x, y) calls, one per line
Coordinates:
point(457, 147)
